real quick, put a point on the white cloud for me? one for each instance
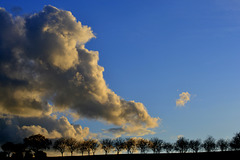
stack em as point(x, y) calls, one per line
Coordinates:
point(184, 98)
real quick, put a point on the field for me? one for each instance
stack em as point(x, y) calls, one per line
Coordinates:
point(164, 156)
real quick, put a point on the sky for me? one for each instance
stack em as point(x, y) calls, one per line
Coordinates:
point(166, 68)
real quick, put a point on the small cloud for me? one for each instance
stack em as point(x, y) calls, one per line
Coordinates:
point(180, 136)
point(184, 98)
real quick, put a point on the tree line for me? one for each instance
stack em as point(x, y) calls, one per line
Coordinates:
point(35, 144)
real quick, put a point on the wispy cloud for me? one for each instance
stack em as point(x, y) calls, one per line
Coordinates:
point(184, 97)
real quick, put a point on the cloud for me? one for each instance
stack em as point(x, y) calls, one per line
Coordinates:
point(129, 131)
point(184, 98)
point(16, 128)
point(45, 67)
point(180, 136)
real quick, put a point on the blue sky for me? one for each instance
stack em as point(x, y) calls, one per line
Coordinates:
point(154, 50)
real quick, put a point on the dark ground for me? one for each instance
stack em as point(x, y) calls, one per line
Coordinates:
point(229, 155)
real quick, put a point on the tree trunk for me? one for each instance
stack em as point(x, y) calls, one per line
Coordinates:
point(62, 154)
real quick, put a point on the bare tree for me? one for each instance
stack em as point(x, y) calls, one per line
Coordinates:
point(222, 144)
point(235, 142)
point(168, 147)
point(156, 145)
point(195, 145)
point(81, 146)
point(71, 144)
point(142, 145)
point(182, 145)
point(94, 144)
point(88, 144)
point(107, 145)
point(130, 145)
point(119, 144)
point(209, 144)
point(60, 145)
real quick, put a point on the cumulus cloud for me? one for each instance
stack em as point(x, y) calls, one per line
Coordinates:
point(184, 98)
point(15, 128)
point(45, 67)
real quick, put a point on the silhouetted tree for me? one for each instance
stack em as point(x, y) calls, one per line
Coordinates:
point(94, 144)
point(142, 145)
point(119, 144)
point(71, 144)
point(18, 150)
point(8, 148)
point(88, 146)
point(209, 144)
point(168, 147)
point(222, 144)
point(28, 155)
point(37, 142)
point(182, 145)
point(235, 142)
point(195, 145)
point(60, 145)
point(130, 144)
point(3, 155)
point(40, 155)
point(91, 145)
point(107, 145)
point(81, 146)
point(156, 144)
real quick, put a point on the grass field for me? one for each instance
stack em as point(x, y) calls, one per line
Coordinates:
point(164, 156)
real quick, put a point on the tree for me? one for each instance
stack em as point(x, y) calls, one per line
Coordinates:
point(130, 145)
point(8, 148)
point(195, 145)
point(71, 144)
point(209, 144)
point(142, 145)
point(81, 146)
point(37, 142)
point(107, 145)
point(18, 150)
point(222, 144)
point(91, 145)
point(60, 145)
point(88, 146)
point(168, 147)
point(28, 155)
point(235, 142)
point(182, 145)
point(94, 145)
point(156, 145)
point(119, 144)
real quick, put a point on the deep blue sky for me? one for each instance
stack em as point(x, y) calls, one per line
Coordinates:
point(154, 50)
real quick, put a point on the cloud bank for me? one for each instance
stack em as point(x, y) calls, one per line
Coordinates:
point(14, 128)
point(184, 98)
point(45, 68)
